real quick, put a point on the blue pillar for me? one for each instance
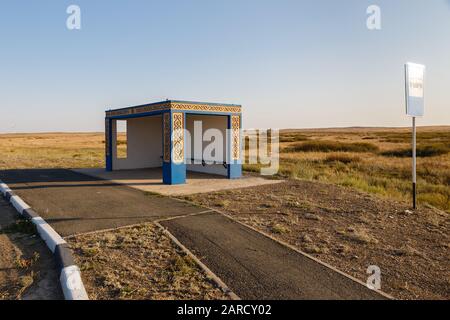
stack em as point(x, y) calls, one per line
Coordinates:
point(108, 144)
point(174, 166)
point(234, 147)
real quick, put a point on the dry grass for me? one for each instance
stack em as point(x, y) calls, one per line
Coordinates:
point(431, 150)
point(358, 234)
point(54, 150)
point(139, 263)
point(344, 157)
point(27, 268)
point(340, 156)
point(331, 146)
point(279, 228)
point(347, 157)
point(349, 233)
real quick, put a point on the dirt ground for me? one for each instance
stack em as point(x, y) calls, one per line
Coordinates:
point(350, 230)
point(27, 267)
point(139, 262)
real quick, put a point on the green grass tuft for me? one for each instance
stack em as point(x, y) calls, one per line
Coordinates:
point(431, 150)
point(280, 229)
point(293, 137)
point(342, 157)
point(20, 226)
point(331, 146)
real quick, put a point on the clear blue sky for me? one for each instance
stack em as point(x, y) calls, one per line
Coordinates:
point(289, 63)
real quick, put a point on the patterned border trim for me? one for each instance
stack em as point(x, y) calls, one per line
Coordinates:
point(178, 137)
point(173, 137)
point(166, 125)
point(235, 127)
point(165, 106)
point(138, 110)
point(205, 107)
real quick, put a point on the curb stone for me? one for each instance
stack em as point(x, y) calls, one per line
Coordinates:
point(205, 269)
point(70, 276)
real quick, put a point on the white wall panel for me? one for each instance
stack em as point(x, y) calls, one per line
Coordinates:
point(208, 122)
point(144, 144)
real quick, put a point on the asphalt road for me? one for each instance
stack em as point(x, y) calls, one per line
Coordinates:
point(74, 203)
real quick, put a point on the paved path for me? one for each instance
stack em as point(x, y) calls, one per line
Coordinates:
point(252, 265)
point(75, 203)
point(196, 182)
point(256, 267)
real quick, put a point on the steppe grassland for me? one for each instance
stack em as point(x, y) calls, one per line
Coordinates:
point(371, 160)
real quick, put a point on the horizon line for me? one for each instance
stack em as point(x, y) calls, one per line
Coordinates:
point(283, 129)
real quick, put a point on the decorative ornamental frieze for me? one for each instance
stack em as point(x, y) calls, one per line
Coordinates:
point(166, 130)
point(169, 105)
point(178, 137)
point(235, 135)
point(205, 107)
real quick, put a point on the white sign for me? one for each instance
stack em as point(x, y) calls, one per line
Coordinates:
point(415, 78)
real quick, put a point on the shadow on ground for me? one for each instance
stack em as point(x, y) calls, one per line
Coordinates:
point(76, 203)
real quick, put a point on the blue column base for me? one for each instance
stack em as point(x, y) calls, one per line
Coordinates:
point(108, 163)
point(234, 166)
point(174, 173)
point(234, 170)
point(108, 144)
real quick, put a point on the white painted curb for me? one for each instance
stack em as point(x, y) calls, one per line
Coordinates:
point(4, 188)
point(72, 285)
point(70, 278)
point(47, 233)
point(19, 204)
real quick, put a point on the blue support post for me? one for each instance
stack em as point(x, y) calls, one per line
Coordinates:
point(108, 144)
point(174, 170)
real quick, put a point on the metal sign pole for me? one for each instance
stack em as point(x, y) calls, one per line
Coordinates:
point(415, 105)
point(414, 177)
